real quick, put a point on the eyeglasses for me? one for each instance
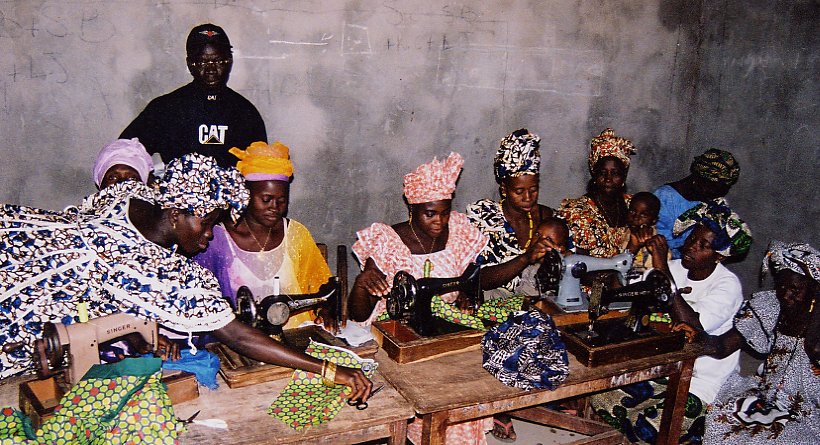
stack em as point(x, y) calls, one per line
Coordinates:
point(209, 63)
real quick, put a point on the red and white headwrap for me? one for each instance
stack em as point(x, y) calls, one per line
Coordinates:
point(433, 181)
point(607, 144)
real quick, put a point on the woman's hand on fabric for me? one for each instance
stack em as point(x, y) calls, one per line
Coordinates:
point(373, 281)
point(167, 349)
point(356, 380)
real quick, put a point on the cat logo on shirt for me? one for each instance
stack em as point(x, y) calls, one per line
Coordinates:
point(212, 134)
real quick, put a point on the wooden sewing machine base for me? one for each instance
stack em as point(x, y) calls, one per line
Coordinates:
point(239, 371)
point(593, 353)
point(404, 345)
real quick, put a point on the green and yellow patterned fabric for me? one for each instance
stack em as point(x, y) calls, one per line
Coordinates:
point(498, 309)
point(306, 401)
point(118, 403)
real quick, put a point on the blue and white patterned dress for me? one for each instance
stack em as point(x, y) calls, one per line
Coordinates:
point(50, 261)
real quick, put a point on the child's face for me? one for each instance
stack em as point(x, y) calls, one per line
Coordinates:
point(555, 235)
point(640, 214)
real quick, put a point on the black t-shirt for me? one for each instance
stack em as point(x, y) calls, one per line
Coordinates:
point(194, 120)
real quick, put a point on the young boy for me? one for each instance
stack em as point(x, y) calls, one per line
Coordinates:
point(641, 219)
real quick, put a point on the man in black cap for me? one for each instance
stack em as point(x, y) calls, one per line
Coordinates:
point(204, 116)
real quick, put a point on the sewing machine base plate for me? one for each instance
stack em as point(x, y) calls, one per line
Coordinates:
point(604, 351)
point(404, 345)
point(239, 371)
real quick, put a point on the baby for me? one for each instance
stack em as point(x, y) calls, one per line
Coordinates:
point(554, 233)
point(641, 218)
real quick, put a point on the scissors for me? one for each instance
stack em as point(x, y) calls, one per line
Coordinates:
point(188, 420)
point(363, 405)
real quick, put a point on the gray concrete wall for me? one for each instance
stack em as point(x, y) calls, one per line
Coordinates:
point(363, 91)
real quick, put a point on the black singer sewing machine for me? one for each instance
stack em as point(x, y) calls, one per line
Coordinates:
point(608, 341)
point(409, 299)
point(272, 312)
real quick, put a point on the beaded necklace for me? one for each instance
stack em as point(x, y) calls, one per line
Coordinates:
point(529, 217)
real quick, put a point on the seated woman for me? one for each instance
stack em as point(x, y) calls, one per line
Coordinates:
point(128, 250)
point(122, 160)
point(434, 235)
point(597, 220)
point(711, 176)
point(781, 404)
point(710, 295)
point(265, 245)
point(510, 224)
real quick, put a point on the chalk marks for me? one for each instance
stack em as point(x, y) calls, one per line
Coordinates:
point(555, 70)
point(45, 66)
point(355, 40)
point(91, 26)
point(323, 41)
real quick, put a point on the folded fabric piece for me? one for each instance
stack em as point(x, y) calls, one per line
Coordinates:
point(118, 403)
point(306, 401)
point(15, 427)
point(526, 351)
point(499, 309)
point(204, 365)
point(449, 312)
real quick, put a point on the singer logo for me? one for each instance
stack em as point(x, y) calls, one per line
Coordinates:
point(116, 329)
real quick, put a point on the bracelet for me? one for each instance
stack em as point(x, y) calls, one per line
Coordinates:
point(324, 368)
point(329, 374)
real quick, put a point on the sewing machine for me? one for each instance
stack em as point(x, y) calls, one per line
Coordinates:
point(607, 341)
point(409, 299)
point(270, 313)
point(570, 269)
point(79, 343)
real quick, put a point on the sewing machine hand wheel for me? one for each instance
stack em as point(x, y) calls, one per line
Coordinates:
point(664, 285)
point(401, 295)
point(549, 272)
point(245, 309)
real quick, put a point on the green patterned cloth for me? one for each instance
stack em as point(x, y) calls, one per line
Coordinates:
point(498, 309)
point(453, 314)
point(118, 403)
point(306, 401)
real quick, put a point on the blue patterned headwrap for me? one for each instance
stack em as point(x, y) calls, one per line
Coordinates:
point(517, 155)
point(732, 235)
point(526, 351)
point(196, 184)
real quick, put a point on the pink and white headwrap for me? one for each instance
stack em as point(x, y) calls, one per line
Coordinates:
point(128, 152)
point(433, 181)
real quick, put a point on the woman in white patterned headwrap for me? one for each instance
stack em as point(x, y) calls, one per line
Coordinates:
point(127, 249)
point(781, 404)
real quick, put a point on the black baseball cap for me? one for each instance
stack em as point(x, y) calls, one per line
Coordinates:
point(204, 34)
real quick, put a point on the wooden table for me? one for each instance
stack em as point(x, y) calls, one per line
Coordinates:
point(454, 388)
point(244, 409)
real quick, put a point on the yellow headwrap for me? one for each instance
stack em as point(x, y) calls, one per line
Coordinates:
point(263, 162)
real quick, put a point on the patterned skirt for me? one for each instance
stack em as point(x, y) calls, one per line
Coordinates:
point(636, 411)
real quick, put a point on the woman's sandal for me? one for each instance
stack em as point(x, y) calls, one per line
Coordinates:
point(508, 435)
